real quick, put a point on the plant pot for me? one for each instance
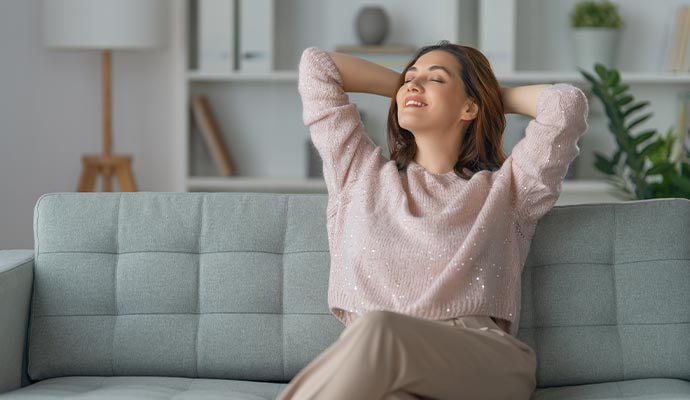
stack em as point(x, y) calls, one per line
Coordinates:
point(595, 45)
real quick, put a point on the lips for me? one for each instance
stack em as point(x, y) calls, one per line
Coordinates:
point(414, 102)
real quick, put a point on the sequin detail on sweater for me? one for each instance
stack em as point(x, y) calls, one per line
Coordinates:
point(435, 246)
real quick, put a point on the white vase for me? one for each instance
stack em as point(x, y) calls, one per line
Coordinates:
point(595, 45)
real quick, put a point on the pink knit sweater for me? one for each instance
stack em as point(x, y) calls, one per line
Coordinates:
point(434, 246)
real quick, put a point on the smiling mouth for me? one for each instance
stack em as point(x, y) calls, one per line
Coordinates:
point(414, 103)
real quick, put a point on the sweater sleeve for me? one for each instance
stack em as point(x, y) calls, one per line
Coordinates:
point(541, 159)
point(334, 123)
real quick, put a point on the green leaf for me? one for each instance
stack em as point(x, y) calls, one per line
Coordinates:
point(682, 183)
point(643, 136)
point(614, 77)
point(620, 89)
point(685, 169)
point(599, 92)
point(601, 71)
point(634, 108)
point(603, 165)
point(651, 148)
point(624, 100)
point(617, 157)
point(660, 168)
point(589, 77)
point(638, 121)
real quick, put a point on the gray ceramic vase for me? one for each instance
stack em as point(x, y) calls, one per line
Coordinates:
point(372, 25)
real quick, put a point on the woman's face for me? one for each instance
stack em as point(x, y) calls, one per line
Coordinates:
point(433, 96)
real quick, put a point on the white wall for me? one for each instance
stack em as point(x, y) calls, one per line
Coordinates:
point(50, 115)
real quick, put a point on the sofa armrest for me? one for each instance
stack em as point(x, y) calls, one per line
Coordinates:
point(16, 281)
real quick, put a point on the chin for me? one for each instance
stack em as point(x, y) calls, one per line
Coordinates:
point(408, 123)
point(411, 126)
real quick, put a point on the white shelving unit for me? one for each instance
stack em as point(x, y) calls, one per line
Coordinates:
point(260, 112)
point(526, 77)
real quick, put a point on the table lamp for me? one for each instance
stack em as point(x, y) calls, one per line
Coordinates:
point(104, 25)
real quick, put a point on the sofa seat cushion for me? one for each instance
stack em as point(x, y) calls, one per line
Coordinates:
point(140, 387)
point(639, 389)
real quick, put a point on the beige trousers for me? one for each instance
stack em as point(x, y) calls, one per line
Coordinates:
point(389, 356)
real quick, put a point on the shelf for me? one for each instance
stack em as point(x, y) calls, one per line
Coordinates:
point(540, 51)
point(576, 77)
point(275, 76)
point(514, 77)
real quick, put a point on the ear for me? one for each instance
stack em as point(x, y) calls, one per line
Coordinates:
point(469, 110)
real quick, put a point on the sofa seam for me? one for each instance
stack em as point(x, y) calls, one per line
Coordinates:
point(607, 264)
point(282, 288)
point(198, 285)
point(117, 306)
point(599, 325)
point(212, 313)
point(615, 290)
point(184, 252)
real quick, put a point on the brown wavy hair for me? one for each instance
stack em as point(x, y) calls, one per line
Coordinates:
point(481, 147)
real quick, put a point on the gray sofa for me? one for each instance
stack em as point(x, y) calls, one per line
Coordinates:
point(210, 296)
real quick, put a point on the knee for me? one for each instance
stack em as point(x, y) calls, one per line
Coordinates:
point(372, 328)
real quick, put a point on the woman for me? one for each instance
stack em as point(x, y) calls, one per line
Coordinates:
point(427, 249)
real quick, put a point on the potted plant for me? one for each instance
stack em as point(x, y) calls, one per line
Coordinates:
point(660, 167)
point(596, 33)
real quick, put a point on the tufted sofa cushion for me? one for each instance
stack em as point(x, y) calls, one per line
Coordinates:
point(186, 285)
point(233, 286)
point(606, 292)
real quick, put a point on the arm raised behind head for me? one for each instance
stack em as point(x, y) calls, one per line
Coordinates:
point(364, 76)
point(522, 99)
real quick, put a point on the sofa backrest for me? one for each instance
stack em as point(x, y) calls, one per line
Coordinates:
point(179, 284)
point(234, 286)
point(606, 292)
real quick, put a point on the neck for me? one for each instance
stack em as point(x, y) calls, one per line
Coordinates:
point(435, 155)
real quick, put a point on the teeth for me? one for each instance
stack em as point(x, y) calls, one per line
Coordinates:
point(415, 103)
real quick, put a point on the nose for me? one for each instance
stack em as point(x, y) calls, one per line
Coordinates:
point(413, 86)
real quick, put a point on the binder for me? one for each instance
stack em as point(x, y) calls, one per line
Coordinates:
point(497, 33)
point(256, 32)
point(216, 35)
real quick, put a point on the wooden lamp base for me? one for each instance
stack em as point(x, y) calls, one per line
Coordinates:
point(118, 165)
point(107, 164)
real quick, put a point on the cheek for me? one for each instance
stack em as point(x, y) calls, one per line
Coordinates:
point(399, 98)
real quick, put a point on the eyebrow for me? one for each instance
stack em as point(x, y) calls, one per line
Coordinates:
point(432, 68)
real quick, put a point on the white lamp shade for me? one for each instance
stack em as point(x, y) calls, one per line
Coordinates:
point(103, 24)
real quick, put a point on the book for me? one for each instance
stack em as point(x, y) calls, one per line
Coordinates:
point(216, 35)
point(395, 57)
point(212, 136)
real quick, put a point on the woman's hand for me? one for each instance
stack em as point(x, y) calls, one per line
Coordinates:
point(522, 99)
point(364, 76)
